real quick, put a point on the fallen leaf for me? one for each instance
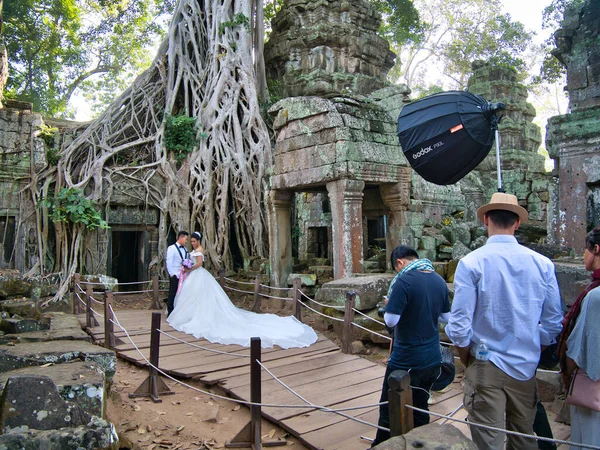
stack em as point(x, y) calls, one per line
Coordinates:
point(189, 414)
point(179, 429)
point(46, 365)
point(149, 427)
point(157, 433)
point(141, 431)
point(161, 413)
point(137, 408)
point(236, 408)
point(210, 403)
point(272, 433)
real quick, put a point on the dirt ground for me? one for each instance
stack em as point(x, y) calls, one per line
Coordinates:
point(189, 419)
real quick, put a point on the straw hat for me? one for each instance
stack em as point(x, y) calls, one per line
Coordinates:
point(506, 202)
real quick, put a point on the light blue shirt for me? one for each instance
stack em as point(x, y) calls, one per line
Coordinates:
point(507, 294)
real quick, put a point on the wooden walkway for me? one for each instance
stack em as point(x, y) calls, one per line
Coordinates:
point(320, 373)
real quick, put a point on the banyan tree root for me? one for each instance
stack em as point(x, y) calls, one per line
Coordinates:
point(203, 69)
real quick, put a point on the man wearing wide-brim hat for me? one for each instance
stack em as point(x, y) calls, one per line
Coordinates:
point(507, 295)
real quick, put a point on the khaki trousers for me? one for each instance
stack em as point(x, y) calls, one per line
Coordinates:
point(493, 398)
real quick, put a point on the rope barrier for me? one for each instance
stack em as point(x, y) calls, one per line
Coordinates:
point(320, 304)
point(200, 347)
point(131, 292)
point(319, 313)
point(276, 288)
point(96, 312)
point(239, 282)
point(212, 394)
point(238, 290)
point(515, 433)
point(368, 317)
point(276, 298)
point(364, 422)
point(79, 298)
point(134, 282)
point(96, 301)
point(371, 331)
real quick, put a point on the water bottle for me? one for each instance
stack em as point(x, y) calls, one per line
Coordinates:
point(482, 352)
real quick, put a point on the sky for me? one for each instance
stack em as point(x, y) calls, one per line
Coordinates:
point(528, 12)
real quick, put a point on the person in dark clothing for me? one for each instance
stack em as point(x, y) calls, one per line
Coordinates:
point(418, 296)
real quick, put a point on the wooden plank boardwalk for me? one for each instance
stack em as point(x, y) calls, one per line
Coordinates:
point(321, 373)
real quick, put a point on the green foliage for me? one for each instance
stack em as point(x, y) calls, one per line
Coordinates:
point(71, 206)
point(421, 92)
point(181, 135)
point(552, 70)
point(453, 35)
point(238, 19)
point(270, 10)
point(400, 24)
point(48, 135)
point(57, 46)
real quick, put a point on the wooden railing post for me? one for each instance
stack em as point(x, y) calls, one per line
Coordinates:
point(155, 293)
point(347, 332)
point(256, 304)
point(222, 278)
point(109, 329)
point(75, 292)
point(153, 386)
point(89, 290)
point(250, 435)
point(399, 395)
point(297, 304)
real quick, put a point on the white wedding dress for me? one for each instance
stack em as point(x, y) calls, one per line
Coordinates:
point(203, 309)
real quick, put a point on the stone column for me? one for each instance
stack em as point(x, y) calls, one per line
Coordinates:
point(345, 197)
point(280, 235)
point(397, 198)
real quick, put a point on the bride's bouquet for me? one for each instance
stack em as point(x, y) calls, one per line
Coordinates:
point(183, 273)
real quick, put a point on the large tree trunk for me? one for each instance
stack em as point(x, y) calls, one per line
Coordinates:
point(203, 69)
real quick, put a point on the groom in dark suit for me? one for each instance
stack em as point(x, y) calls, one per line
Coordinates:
point(176, 253)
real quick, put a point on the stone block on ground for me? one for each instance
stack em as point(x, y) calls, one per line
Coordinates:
point(430, 437)
point(322, 272)
point(16, 326)
point(306, 279)
point(79, 382)
point(33, 401)
point(96, 435)
point(358, 348)
point(23, 307)
point(369, 291)
point(40, 353)
point(61, 327)
point(572, 279)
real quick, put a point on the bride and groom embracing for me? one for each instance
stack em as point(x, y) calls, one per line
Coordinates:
point(198, 305)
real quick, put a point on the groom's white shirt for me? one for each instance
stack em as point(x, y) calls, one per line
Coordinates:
point(174, 259)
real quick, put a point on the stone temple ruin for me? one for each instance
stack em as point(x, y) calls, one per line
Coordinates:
point(338, 161)
point(341, 190)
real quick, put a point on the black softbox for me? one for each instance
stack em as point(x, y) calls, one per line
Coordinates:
point(446, 135)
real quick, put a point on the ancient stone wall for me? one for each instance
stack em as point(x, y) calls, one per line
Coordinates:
point(320, 47)
point(573, 139)
point(20, 152)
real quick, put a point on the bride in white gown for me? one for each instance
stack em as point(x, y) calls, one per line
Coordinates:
point(203, 309)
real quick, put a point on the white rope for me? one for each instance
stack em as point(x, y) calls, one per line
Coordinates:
point(97, 313)
point(371, 331)
point(325, 409)
point(239, 282)
point(97, 301)
point(319, 313)
point(515, 433)
point(131, 292)
point(320, 304)
point(454, 411)
point(92, 284)
point(276, 288)
point(134, 282)
point(212, 394)
point(200, 347)
point(368, 317)
point(238, 290)
point(79, 298)
point(276, 298)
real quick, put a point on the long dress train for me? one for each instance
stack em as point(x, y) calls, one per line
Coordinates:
point(203, 309)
